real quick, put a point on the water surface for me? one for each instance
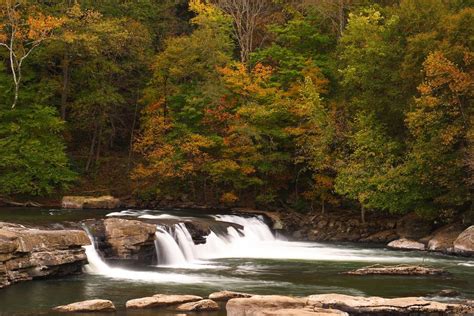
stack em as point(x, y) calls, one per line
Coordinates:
point(249, 261)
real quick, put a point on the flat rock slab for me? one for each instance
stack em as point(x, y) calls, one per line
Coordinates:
point(96, 305)
point(307, 311)
point(199, 306)
point(398, 270)
point(227, 295)
point(256, 304)
point(161, 300)
point(379, 305)
point(406, 244)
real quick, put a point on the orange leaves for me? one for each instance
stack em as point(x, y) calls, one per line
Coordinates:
point(441, 72)
point(41, 26)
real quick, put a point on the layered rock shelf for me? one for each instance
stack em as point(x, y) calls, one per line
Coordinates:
point(407, 270)
point(81, 202)
point(29, 253)
point(338, 304)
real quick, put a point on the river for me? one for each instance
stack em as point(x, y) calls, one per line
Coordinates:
point(252, 259)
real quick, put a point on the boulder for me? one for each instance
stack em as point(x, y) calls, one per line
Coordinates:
point(87, 306)
point(443, 238)
point(161, 300)
point(227, 295)
point(80, 202)
point(464, 243)
point(27, 253)
point(256, 304)
point(129, 239)
point(199, 306)
point(406, 244)
point(412, 226)
point(383, 306)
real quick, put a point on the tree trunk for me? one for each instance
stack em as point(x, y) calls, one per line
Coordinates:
point(91, 149)
point(65, 87)
point(99, 141)
point(132, 135)
point(341, 17)
point(362, 214)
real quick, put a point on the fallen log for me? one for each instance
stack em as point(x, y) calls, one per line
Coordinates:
point(20, 204)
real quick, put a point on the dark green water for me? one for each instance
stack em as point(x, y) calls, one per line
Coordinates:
point(260, 276)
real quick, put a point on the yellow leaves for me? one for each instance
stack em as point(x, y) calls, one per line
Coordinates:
point(450, 135)
point(229, 198)
point(254, 83)
point(207, 14)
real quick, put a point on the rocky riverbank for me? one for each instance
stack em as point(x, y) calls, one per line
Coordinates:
point(409, 232)
point(243, 304)
point(28, 253)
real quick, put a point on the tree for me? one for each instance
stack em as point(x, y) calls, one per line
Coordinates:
point(314, 137)
point(22, 30)
point(373, 155)
point(175, 141)
point(32, 159)
point(298, 49)
point(247, 16)
point(370, 61)
point(440, 125)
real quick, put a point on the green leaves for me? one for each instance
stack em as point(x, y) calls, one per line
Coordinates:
point(32, 159)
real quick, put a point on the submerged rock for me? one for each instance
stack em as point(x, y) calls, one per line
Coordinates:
point(80, 202)
point(161, 300)
point(227, 295)
point(406, 244)
point(258, 304)
point(28, 253)
point(384, 306)
point(464, 243)
point(199, 306)
point(96, 305)
point(446, 293)
point(397, 270)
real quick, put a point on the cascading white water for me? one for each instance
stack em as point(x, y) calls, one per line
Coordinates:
point(185, 242)
point(168, 251)
point(247, 237)
point(255, 240)
point(98, 266)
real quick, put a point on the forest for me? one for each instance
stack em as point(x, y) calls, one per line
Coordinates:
point(301, 104)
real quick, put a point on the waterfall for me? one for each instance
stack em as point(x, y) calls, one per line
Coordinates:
point(168, 252)
point(245, 237)
point(98, 266)
point(175, 247)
